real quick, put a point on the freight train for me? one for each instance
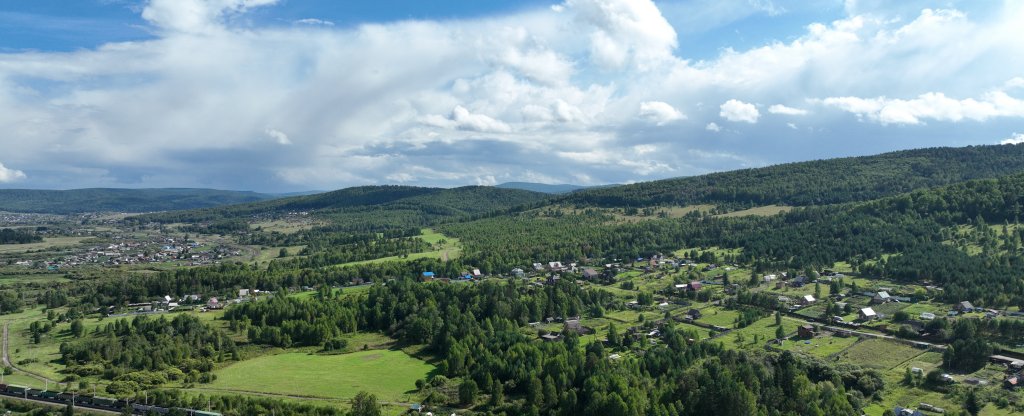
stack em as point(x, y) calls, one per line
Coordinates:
point(93, 402)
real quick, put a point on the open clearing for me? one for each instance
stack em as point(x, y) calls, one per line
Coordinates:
point(391, 375)
point(446, 248)
point(48, 243)
point(880, 353)
point(766, 210)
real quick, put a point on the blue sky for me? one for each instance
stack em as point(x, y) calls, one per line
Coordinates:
point(284, 95)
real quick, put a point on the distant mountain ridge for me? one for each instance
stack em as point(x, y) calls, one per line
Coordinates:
point(120, 200)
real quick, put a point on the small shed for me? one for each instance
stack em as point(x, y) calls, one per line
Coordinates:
point(867, 314)
point(805, 331)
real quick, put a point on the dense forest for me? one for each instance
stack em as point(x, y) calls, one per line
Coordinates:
point(120, 200)
point(11, 236)
point(475, 331)
point(818, 182)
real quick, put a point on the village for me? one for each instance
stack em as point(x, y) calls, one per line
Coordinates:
point(829, 314)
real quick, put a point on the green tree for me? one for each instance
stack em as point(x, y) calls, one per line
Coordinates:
point(77, 328)
point(973, 404)
point(779, 332)
point(468, 391)
point(365, 404)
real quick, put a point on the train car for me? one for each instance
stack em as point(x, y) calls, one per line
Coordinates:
point(52, 395)
point(16, 389)
point(202, 413)
point(146, 409)
point(106, 402)
point(34, 392)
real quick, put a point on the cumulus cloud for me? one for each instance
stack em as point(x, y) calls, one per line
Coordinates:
point(659, 112)
point(10, 175)
point(1015, 138)
point(788, 111)
point(279, 136)
point(195, 16)
point(626, 32)
point(932, 105)
point(518, 94)
point(736, 110)
point(463, 119)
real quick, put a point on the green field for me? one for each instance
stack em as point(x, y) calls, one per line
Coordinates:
point(48, 243)
point(880, 353)
point(450, 249)
point(821, 346)
point(391, 375)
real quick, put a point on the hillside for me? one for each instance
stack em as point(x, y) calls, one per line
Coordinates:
point(373, 207)
point(817, 182)
point(541, 187)
point(119, 200)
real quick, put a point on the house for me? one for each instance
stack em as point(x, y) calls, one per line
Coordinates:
point(476, 273)
point(799, 281)
point(555, 266)
point(965, 306)
point(694, 286)
point(780, 285)
point(243, 293)
point(867, 314)
point(807, 299)
point(902, 411)
point(1012, 382)
point(213, 303)
point(693, 314)
point(927, 316)
point(880, 297)
point(805, 331)
point(538, 267)
point(574, 325)
point(590, 274)
point(428, 275)
point(551, 337)
point(517, 272)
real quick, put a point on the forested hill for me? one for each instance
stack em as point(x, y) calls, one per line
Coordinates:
point(817, 182)
point(119, 200)
point(541, 187)
point(391, 205)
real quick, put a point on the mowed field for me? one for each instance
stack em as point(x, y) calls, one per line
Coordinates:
point(391, 375)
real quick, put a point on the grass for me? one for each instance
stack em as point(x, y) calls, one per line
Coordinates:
point(821, 346)
point(445, 248)
point(764, 211)
point(48, 243)
point(718, 316)
point(763, 329)
point(880, 353)
point(390, 375)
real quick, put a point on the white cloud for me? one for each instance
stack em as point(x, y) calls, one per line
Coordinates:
point(195, 16)
point(1015, 138)
point(279, 136)
point(792, 126)
point(10, 175)
point(789, 111)
point(659, 112)
point(463, 119)
point(735, 110)
point(314, 22)
point(626, 32)
point(519, 94)
point(932, 105)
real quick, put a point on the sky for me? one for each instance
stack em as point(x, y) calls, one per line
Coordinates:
point(294, 95)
